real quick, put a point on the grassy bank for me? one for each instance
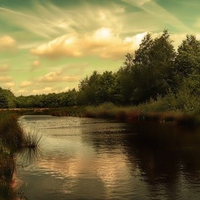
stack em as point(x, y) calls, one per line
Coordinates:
point(143, 113)
point(13, 140)
point(152, 111)
point(11, 134)
point(182, 109)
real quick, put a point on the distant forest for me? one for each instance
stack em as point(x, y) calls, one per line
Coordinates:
point(155, 72)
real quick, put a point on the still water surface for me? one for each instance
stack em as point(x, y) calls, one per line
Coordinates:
point(83, 158)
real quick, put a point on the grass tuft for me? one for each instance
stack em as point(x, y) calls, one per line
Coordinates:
point(32, 140)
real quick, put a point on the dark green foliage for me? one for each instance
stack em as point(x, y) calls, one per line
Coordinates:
point(126, 81)
point(3, 101)
point(188, 57)
point(153, 67)
point(7, 99)
point(148, 73)
point(51, 100)
point(11, 133)
point(98, 89)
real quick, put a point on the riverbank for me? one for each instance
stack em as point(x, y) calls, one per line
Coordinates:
point(13, 140)
point(129, 114)
point(11, 134)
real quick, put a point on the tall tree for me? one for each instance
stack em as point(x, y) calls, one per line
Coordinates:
point(188, 58)
point(3, 99)
point(10, 97)
point(125, 80)
point(153, 68)
point(106, 89)
point(88, 89)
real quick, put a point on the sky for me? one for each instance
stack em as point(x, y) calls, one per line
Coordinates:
point(49, 46)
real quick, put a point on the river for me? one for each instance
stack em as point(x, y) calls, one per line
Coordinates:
point(84, 158)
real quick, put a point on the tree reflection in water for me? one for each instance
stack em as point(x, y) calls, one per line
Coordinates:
point(165, 155)
point(28, 156)
point(7, 170)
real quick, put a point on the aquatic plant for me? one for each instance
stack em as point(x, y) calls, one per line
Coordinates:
point(32, 140)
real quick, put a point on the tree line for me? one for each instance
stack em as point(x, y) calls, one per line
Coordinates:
point(155, 70)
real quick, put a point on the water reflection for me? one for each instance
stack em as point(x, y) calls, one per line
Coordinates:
point(163, 153)
point(28, 156)
point(99, 159)
point(8, 180)
point(166, 158)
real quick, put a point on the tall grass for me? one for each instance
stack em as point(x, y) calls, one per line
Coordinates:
point(12, 140)
point(155, 110)
point(11, 134)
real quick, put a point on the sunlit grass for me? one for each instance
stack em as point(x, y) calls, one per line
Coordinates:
point(151, 111)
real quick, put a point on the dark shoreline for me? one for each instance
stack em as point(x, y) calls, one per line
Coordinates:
point(121, 114)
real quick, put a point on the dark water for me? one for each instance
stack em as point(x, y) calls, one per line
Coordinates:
point(81, 158)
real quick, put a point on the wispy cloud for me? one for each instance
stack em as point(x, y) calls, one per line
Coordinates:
point(47, 20)
point(167, 18)
point(57, 76)
point(136, 2)
point(25, 20)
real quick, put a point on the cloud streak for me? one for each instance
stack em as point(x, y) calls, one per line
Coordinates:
point(57, 76)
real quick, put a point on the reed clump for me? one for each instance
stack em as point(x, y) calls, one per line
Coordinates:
point(32, 140)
